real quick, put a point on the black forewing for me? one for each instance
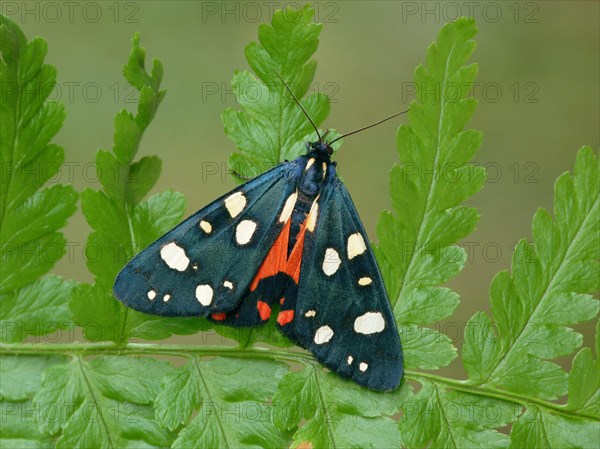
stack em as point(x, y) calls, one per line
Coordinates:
point(214, 271)
point(336, 301)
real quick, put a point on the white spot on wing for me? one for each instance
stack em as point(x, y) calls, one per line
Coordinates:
point(369, 323)
point(151, 295)
point(206, 226)
point(323, 335)
point(228, 284)
point(363, 366)
point(288, 208)
point(331, 262)
point(356, 245)
point(324, 170)
point(244, 231)
point(350, 360)
point(235, 204)
point(310, 314)
point(204, 294)
point(365, 281)
point(311, 223)
point(174, 256)
point(166, 298)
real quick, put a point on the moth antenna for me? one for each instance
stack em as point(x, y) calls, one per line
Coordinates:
point(369, 126)
point(300, 105)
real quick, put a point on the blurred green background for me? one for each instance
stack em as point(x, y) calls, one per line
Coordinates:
point(538, 89)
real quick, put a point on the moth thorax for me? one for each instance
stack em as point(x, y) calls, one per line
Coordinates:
point(312, 178)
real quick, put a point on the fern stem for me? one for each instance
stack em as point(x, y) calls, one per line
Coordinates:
point(97, 348)
point(494, 393)
point(304, 358)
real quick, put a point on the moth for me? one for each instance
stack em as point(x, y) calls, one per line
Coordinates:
point(290, 240)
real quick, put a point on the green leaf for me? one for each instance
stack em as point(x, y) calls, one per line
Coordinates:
point(124, 223)
point(438, 417)
point(19, 429)
point(417, 249)
point(334, 412)
point(159, 214)
point(229, 398)
point(38, 309)
point(268, 128)
point(584, 381)
point(480, 348)
point(30, 216)
point(425, 348)
point(534, 307)
point(135, 72)
point(537, 428)
point(21, 380)
point(142, 177)
point(103, 402)
point(22, 375)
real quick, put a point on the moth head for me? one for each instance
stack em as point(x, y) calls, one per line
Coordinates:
point(321, 149)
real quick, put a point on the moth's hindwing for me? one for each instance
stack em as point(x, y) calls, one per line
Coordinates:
point(342, 312)
point(206, 264)
point(275, 283)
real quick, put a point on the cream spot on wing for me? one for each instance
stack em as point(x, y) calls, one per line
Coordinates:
point(356, 245)
point(206, 226)
point(174, 256)
point(235, 204)
point(369, 323)
point(288, 208)
point(204, 294)
point(228, 284)
point(195, 267)
point(324, 170)
point(331, 262)
point(365, 281)
point(166, 298)
point(309, 163)
point(244, 231)
point(310, 314)
point(151, 295)
point(311, 222)
point(363, 366)
point(350, 360)
point(323, 335)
